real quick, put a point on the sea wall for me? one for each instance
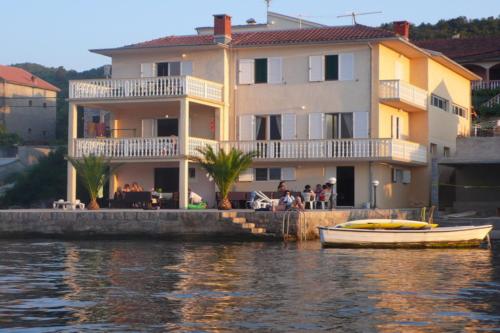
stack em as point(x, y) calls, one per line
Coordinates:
point(176, 223)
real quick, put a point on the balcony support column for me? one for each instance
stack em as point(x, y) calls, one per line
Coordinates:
point(184, 152)
point(72, 133)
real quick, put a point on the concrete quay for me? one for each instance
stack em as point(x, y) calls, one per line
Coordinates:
point(175, 224)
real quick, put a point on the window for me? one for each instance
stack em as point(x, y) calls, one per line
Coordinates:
point(401, 176)
point(30, 103)
point(339, 125)
point(263, 174)
point(44, 133)
point(433, 149)
point(446, 151)
point(268, 127)
point(192, 173)
point(96, 119)
point(396, 127)
point(439, 102)
point(331, 67)
point(168, 68)
point(44, 105)
point(459, 111)
point(260, 70)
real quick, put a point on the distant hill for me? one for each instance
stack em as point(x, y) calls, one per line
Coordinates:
point(460, 26)
point(59, 77)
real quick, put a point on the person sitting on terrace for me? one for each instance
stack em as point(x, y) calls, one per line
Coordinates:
point(126, 188)
point(308, 192)
point(136, 187)
point(318, 190)
point(118, 194)
point(194, 198)
point(298, 204)
point(282, 188)
point(324, 191)
point(287, 200)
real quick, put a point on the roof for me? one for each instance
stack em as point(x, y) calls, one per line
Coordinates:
point(272, 37)
point(464, 50)
point(19, 76)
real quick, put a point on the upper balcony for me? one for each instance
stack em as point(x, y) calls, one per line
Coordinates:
point(402, 95)
point(150, 87)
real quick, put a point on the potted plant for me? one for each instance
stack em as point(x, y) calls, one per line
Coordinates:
point(224, 168)
point(93, 171)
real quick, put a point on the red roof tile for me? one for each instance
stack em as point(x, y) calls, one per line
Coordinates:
point(20, 76)
point(276, 37)
point(465, 49)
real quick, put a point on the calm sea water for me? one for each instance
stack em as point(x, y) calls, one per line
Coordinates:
point(52, 286)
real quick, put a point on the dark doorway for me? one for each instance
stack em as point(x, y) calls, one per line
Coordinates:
point(168, 127)
point(345, 186)
point(167, 179)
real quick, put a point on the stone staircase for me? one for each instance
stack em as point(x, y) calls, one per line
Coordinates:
point(492, 101)
point(250, 228)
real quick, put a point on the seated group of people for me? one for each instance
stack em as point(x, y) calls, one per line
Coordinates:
point(288, 201)
point(135, 187)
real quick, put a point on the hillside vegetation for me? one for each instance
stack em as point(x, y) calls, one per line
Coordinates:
point(459, 26)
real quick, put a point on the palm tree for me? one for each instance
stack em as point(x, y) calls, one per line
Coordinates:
point(224, 168)
point(93, 171)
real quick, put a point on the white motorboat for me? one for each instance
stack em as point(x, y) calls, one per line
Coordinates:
point(463, 236)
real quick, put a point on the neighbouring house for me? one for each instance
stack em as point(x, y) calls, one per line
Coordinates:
point(352, 102)
point(27, 105)
point(479, 55)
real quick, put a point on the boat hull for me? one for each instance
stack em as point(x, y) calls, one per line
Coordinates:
point(465, 236)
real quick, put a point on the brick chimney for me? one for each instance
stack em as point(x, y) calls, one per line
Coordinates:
point(222, 29)
point(402, 28)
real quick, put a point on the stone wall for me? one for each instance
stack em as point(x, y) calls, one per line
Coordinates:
point(175, 223)
point(308, 223)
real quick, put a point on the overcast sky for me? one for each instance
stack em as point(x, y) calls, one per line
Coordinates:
point(60, 32)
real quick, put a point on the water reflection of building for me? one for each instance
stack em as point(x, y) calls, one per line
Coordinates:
point(418, 282)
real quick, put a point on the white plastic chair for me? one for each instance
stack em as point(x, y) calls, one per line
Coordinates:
point(326, 202)
point(308, 200)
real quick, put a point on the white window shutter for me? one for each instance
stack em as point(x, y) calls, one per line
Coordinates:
point(398, 70)
point(406, 176)
point(247, 127)
point(316, 68)
point(274, 70)
point(288, 126)
point(316, 126)
point(287, 173)
point(246, 71)
point(361, 124)
point(246, 176)
point(148, 128)
point(148, 70)
point(346, 67)
point(186, 68)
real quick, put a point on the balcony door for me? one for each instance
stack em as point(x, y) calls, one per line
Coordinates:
point(268, 128)
point(345, 186)
point(167, 127)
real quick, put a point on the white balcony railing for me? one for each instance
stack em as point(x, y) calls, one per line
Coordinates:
point(340, 149)
point(162, 86)
point(272, 150)
point(124, 148)
point(489, 85)
point(404, 92)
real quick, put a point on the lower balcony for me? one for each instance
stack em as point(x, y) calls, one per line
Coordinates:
point(390, 150)
point(136, 148)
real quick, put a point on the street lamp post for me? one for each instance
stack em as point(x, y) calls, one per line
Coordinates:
point(332, 181)
point(375, 184)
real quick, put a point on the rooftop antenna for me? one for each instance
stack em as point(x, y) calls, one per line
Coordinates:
point(354, 14)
